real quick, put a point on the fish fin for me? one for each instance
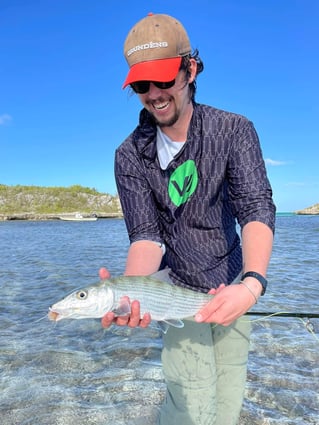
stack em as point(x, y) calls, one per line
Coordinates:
point(176, 323)
point(163, 327)
point(162, 275)
point(124, 308)
point(165, 324)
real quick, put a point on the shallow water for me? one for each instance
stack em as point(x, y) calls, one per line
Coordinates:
point(76, 372)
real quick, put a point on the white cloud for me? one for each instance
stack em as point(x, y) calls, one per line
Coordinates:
point(274, 162)
point(5, 119)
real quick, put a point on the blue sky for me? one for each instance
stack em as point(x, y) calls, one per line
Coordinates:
point(63, 111)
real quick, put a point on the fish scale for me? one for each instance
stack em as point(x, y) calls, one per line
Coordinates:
point(163, 300)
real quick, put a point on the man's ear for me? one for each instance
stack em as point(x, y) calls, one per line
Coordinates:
point(192, 70)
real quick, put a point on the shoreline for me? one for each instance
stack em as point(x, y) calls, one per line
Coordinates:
point(56, 216)
point(53, 216)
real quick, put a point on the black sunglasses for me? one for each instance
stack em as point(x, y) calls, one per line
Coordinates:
point(142, 87)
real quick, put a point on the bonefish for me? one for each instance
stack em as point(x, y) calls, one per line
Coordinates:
point(167, 303)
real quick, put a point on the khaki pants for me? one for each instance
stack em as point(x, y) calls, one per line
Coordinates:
point(205, 369)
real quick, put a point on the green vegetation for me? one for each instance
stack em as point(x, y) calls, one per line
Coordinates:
point(37, 202)
point(55, 200)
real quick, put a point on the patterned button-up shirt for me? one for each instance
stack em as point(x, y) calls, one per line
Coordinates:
point(216, 184)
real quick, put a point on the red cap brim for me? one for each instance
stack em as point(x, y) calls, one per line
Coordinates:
point(158, 70)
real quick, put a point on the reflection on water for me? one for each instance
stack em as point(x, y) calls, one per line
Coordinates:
point(76, 372)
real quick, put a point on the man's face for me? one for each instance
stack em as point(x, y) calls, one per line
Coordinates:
point(167, 105)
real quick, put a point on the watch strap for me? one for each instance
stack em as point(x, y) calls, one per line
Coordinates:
point(259, 277)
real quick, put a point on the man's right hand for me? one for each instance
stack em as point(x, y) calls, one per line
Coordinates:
point(132, 320)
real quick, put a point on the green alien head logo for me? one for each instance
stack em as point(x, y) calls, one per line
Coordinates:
point(183, 182)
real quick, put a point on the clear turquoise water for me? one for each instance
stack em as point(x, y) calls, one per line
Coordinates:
point(75, 372)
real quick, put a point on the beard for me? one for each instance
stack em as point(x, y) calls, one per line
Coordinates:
point(167, 123)
point(163, 122)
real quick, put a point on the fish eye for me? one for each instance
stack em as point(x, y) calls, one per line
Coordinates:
point(82, 294)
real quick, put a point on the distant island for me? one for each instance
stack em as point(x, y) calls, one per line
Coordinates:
point(314, 210)
point(49, 203)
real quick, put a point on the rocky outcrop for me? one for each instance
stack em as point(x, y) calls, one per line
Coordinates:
point(50, 203)
point(314, 210)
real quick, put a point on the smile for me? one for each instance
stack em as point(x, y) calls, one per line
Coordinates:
point(160, 106)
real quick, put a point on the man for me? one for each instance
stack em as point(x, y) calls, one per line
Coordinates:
point(184, 176)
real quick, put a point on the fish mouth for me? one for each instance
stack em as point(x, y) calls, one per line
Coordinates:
point(55, 315)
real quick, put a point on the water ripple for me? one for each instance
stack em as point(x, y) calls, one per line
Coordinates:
point(77, 372)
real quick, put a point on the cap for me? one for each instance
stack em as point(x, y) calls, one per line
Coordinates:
point(154, 48)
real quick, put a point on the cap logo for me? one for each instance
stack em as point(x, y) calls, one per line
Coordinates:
point(150, 45)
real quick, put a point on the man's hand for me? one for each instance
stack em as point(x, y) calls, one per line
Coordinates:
point(132, 320)
point(229, 303)
point(104, 273)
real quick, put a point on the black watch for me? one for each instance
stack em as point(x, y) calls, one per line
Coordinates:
point(259, 277)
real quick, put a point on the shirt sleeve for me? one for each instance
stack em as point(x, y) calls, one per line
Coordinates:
point(249, 188)
point(140, 212)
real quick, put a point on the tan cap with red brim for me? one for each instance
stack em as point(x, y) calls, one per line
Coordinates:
point(154, 48)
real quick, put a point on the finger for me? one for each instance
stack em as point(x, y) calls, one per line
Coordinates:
point(104, 273)
point(201, 317)
point(107, 320)
point(215, 291)
point(122, 320)
point(213, 317)
point(123, 311)
point(146, 320)
point(207, 313)
point(135, 314)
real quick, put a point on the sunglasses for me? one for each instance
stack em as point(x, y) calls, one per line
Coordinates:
point(142, 87)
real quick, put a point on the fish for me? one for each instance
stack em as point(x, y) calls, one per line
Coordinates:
point(168, 304)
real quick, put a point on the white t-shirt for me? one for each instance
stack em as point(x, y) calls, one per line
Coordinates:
point(166, 148)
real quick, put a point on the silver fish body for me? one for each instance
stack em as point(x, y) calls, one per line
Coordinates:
point(164, 301)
